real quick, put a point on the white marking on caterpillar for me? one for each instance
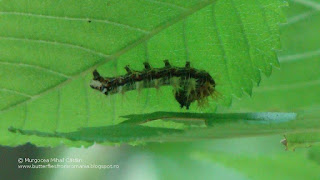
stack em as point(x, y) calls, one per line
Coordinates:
point(95, 84)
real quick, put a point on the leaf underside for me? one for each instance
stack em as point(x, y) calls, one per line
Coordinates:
point(49, 50)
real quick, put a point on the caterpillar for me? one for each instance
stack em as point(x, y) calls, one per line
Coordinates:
point(189, 84)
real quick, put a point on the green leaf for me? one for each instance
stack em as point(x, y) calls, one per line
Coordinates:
point(296, 86)
point(298, 140)
point(286, 166)
point(50, 48)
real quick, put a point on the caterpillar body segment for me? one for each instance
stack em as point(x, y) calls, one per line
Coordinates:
point(189, 84)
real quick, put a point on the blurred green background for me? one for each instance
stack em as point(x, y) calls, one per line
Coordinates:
point(294, 87)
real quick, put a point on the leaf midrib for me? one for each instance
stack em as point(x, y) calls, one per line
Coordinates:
point(122, 51)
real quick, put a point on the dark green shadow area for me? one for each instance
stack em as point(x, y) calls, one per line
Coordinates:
point(136, 129)
point(115, 134)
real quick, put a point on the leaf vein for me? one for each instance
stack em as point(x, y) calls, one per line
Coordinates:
point(225, 58)
point(247, 43)
point(125, 26)
point(55, 43)
point(35, 67)
point(15, 92)
point(167, 4)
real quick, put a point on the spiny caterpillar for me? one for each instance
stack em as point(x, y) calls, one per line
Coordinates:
point(189, 84)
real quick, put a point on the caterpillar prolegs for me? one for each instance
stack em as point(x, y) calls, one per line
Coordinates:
point(189, 84)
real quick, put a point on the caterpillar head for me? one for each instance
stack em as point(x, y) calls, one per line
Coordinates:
point(99, 83)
